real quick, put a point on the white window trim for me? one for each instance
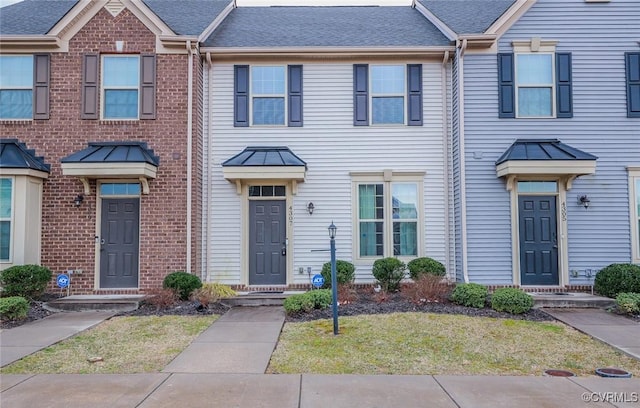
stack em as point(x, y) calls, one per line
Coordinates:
point(284, 96)
point(19, 88)
point(403, 95)
point(11, 220)
point(387, 178)
point(534, 46)
point(103, 88)
point(634, 176)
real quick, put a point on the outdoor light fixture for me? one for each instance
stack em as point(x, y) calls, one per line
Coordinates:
point(584, 201)
point(78, 200)
point(334, 279)
point(310, 208)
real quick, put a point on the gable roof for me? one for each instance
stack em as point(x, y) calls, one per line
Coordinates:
point(359, 26)
point(468, 16)
point(187, 17)
point(33, 16)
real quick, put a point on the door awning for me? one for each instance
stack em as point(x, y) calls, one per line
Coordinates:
point(125, 160)
point(544, 157)
point(264, 163)
point(17, 159)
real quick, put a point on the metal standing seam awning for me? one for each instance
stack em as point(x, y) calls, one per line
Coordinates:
point(264, 163)
point(21, 160)
point(112, 160)
point(544, 157)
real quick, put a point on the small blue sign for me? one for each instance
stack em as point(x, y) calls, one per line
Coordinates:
point(63, 280)
point(317, 280)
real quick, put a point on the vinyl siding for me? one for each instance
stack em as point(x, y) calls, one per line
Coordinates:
point(597, 35)
point(332, 148)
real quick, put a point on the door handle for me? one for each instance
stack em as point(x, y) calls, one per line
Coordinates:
point(284, 251)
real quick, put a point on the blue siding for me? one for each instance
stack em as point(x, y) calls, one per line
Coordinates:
point(597, 35)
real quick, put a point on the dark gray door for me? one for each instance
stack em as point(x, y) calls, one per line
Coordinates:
point(119, 244)
point(538, 240)
point(267, 242)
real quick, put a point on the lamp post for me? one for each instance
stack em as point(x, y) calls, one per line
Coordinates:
point(334, 279)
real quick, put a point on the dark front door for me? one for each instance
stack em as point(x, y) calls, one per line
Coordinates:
point(538, 240)
point(267, 242)
point(119, 243)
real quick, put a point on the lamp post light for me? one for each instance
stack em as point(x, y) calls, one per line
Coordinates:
point(334, 279)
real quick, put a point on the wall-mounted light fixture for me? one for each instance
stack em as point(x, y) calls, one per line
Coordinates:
point(78, 200)
point(310, 208)
point(584, 201)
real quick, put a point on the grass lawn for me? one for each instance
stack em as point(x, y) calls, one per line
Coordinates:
point(125, 344)
point(423, 343)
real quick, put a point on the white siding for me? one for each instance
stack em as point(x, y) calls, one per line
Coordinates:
point(332, 148)
point(597, 35)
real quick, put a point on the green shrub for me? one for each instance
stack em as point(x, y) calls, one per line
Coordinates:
point(628, 303)
point(511, 300)
point(422, 266)
point(298, 303)
point(345, 273)
point(29, 281)
point(182, 283)
point(470, 294)
point(389, 272)
point(13, 308)
point(322, 298)
point(306, 302)
point(617, 278)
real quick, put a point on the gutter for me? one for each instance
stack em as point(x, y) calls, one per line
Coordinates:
point(461, 46)
point(189, 152)
point(445, 152)
point(327, 51)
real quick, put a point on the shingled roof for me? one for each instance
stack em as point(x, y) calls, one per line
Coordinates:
point(33, 16)
point(365, 26)
point(468, 16)
point(187, 17)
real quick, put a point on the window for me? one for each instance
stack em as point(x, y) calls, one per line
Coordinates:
point(535, 81)
point(119, 189)
point(634, 204)
point(381, 92)
point(24, 86)
point(274, 94)
point(126, 90)
point(120, 82)
point(6, 205)
point(388, 218)
point(632, 64)
point(267, 191)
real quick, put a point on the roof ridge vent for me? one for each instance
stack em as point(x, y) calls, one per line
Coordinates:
point(114, 7)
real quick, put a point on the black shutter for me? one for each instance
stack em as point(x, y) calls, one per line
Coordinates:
point(632, 63)
point(41, 86)
point(295, 95)
point(147, 86)
point(506, 86)
point(241, 96)
point(90, 87)
point(360, 95)
point(564, 98)
point(414, 94)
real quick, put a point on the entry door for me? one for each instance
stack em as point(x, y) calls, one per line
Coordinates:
point(119, 242)
point(538, 240)
point(267, 242)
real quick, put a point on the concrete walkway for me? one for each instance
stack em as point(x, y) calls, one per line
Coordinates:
point(617, 331)
point(225, 365)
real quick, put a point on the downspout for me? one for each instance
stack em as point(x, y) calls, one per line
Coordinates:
point(189, 152)
point(209, 168)
point(445, 155)
point(462, 46)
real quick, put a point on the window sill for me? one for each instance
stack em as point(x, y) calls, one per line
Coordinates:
point(119, 121)
point(17, 121)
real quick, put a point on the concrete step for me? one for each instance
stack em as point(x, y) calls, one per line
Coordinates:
point(114, 303)
point(570, 300)
point(258, 298)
